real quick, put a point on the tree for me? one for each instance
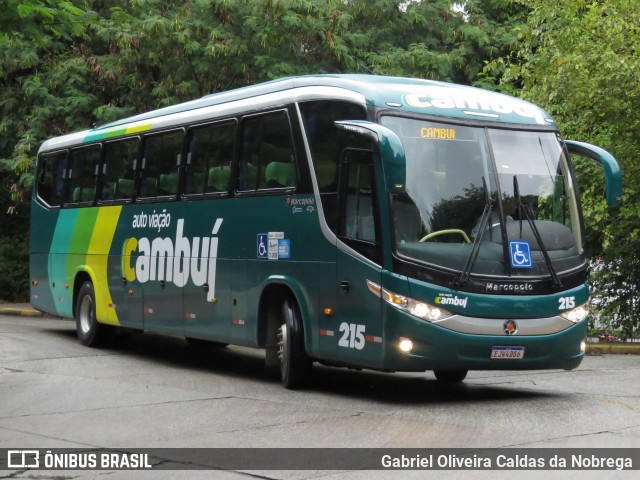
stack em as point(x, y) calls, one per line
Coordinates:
point(33, 34)
point(66, 65)
point(581, 60)
point(75, 63)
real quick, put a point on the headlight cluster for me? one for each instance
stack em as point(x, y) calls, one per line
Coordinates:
point(576, 314)
point(416, 308)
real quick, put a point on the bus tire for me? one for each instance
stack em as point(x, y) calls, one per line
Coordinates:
point(295, 366)
point(89, 331)
point(450, 376)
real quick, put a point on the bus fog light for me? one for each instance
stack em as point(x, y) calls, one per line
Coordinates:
point(405, 345)
point(583, 346)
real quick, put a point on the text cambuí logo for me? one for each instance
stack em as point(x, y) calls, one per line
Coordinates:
point(173, 260)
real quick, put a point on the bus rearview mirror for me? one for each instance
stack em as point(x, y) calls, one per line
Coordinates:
point(612, 172)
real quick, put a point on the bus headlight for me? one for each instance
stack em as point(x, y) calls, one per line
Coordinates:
point(576, 314)
point(416, 308)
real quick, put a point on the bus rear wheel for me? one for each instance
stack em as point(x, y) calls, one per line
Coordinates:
point(295, 366)
point(450, 376)
point(89, 331)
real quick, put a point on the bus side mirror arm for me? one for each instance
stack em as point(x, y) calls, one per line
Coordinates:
point(612, 172)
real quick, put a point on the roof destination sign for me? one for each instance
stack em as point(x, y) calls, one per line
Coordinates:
point(478, 103)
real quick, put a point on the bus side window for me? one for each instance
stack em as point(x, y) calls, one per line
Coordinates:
point(327, 143)
point(116, 180)
point(267, 156)
point(325, 140)
point(160, 166)
point(83, 165)
point(52, 170)
point(211, 150)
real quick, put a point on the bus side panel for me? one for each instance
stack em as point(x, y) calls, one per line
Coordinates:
point(97, 261)
point(320, 294)
point(238, 296)
point(205, 292)
point(162, 306)
point(42, 221)
point(126, 297)
point(277, 239)
point(80, 242)
point(167, 273)
point(208, 316)
point(59, 255)
point(311, 285)
point(125, 294)
point(358, 316)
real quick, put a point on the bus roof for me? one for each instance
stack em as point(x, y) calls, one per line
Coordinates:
point(392, 93)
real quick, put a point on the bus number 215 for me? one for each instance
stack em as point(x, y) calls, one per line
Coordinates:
point(352, 336)
point(566, 303)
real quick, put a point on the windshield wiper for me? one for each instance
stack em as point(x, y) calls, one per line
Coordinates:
point(475, 248)
point(528, 214)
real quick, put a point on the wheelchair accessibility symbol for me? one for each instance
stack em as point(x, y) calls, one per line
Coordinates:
point(262, 242)
point(520, 254)
point(273, 246)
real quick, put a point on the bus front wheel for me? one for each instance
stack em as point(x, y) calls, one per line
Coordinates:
point(90, 332)
point(450, 376)
point(295, 366)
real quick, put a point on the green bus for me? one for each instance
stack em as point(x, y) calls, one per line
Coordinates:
point(361, 221)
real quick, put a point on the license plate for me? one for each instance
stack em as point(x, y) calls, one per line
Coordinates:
point(507, 353)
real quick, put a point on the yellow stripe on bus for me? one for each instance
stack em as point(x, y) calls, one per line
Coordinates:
point(138, 128)
point(97, 261)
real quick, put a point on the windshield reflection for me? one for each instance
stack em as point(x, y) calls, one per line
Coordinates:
point(456, 173)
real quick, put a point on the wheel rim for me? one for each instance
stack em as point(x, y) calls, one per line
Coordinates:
point(282, 346)
point(86, 314)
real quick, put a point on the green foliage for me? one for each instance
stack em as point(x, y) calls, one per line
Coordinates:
point(14, 255)
point(32, 18)
point(579, 59)
point(39, 84)
point(66, 65)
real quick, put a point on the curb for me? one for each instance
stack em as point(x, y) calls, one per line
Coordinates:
point(20, 312)
point(612, 348)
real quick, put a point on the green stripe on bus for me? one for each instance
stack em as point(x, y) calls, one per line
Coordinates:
point(80, 240)
point(60, 246)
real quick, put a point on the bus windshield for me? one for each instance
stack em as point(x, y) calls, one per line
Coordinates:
point(472, 189)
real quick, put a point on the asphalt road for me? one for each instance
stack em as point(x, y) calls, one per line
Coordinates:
point(154, 391)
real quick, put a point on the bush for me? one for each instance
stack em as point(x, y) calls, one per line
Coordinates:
point(14, 253)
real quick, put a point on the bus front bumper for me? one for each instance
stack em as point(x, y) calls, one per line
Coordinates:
point(435, 347)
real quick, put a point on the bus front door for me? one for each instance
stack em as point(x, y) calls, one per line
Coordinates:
point(358, 318)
